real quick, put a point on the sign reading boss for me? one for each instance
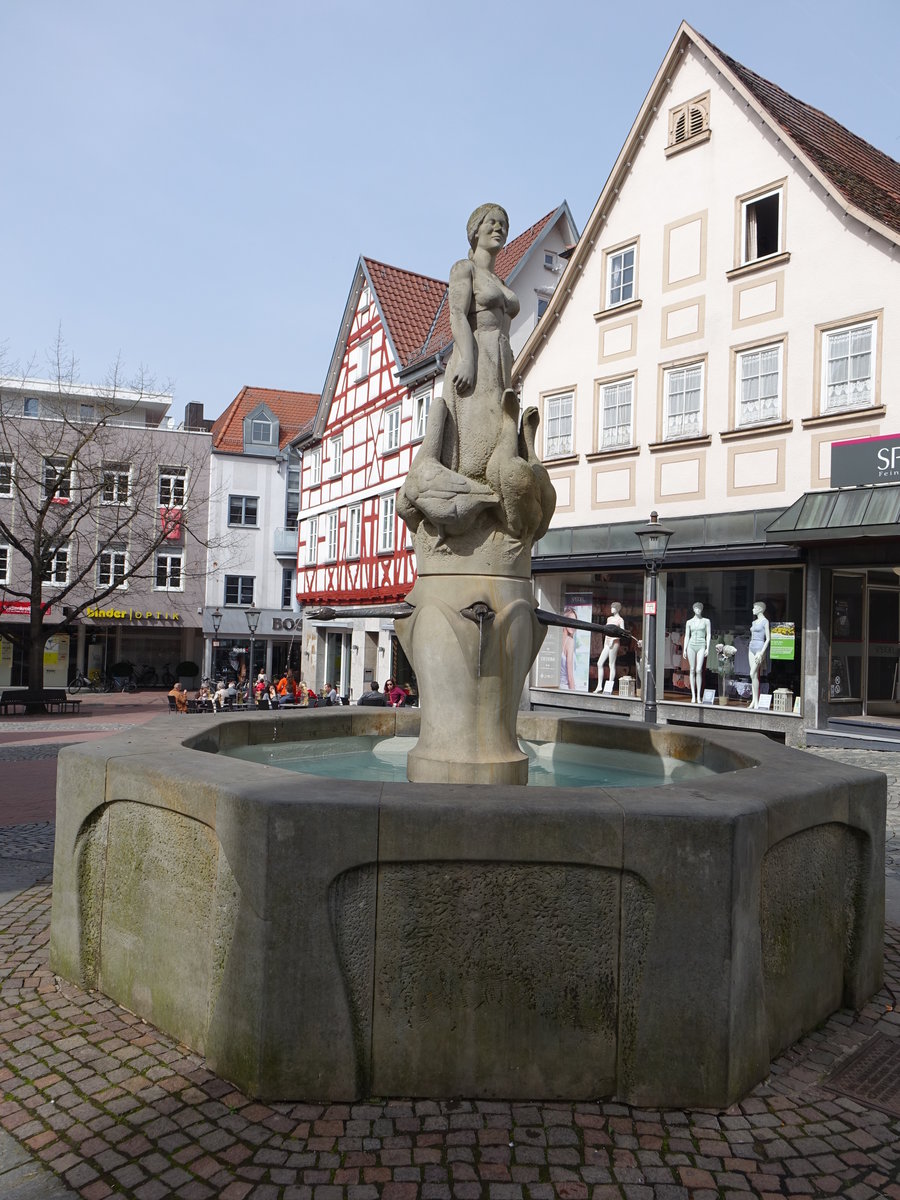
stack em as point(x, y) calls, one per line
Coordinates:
point(285, 623)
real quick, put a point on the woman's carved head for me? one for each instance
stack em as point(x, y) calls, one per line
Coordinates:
point(474, 222)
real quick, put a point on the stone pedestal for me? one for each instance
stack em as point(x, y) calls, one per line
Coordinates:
point(470, 675)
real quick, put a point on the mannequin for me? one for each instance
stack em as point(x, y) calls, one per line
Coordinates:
point(759, 644)
point(610, 651)
point(697, 634)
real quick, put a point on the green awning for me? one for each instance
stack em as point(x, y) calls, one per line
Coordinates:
point(838, 515)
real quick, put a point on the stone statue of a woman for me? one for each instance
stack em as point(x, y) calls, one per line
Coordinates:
point(476, 498)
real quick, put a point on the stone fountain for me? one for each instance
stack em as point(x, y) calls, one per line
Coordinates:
point(332, 939)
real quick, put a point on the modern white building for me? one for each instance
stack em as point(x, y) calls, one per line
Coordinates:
point(254, 503)
point(729, 318)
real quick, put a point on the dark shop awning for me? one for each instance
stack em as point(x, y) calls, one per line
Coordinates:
point(839, 515)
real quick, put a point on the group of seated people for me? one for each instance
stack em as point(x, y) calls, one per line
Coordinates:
point(286, 692)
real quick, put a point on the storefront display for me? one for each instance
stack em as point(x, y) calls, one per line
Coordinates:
point(569, 658)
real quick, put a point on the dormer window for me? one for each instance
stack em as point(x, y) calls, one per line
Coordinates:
point(261, 431)
point(689, 122)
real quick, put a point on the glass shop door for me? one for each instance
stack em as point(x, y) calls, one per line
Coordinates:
point(883, 651)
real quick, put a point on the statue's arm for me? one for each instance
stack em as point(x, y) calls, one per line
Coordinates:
point(460, 297)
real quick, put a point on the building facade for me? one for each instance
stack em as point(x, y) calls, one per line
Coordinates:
point(387, 366)
point(115, 500)
point(727, 319)
point(253, 515)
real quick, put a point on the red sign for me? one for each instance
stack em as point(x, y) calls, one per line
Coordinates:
point(170, 521)
point(17, 608)
point(649, 608)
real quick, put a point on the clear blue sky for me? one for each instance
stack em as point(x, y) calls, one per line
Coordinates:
point(188, 184)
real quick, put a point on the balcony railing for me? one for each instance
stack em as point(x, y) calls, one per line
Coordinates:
point(284, 543)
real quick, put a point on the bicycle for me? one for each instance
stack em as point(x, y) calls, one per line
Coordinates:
point(122, 683)
point(80, 681)
point(145, 676)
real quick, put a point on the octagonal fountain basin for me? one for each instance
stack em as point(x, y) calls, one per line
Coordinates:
point(331, 939)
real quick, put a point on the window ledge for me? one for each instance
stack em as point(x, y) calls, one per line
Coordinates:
point(846, 417)
point(763, 429)
point(687, 443)
point(697, 140)
point(617, 452)
point(606, 313)
point(566, 460)
point(759, 264)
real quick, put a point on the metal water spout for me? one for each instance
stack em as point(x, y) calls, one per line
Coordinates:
point(479, 612)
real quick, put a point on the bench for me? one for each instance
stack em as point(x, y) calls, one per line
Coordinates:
point(52, 699)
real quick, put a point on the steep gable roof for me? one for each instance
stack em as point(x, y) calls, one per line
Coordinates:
point(862, 180)
point(407, 302)
point(508, 260)
point(868, 179)
point(293, 410)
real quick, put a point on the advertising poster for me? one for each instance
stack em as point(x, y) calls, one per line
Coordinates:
point(783, 640)
point(575, 656)
point(56, 660)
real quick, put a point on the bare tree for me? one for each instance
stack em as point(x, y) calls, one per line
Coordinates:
point(91, 493)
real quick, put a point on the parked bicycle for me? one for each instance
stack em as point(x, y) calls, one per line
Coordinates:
point(121, 683)
point(88, 683)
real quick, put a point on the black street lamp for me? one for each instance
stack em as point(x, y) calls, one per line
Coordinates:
point(252, 614)
point(654, 539)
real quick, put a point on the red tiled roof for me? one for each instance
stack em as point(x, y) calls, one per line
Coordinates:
point(408, 303)
point(293, 410)
point(507, 260)
point(867, 178)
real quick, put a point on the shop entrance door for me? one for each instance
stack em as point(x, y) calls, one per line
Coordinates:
point(883, 652)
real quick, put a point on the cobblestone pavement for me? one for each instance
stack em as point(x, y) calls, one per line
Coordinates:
point(114, 1108)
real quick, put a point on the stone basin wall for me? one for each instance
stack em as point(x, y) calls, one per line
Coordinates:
point(330, 940)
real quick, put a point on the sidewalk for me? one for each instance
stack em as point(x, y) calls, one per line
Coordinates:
point(95, 1103)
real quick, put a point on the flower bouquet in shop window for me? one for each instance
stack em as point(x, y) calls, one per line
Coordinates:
point(725, 657)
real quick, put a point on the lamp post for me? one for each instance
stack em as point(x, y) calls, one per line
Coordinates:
point(217, 625)
point(654, 539)
point(252, 614)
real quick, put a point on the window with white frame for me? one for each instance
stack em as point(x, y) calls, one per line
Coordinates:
point(86, 412)
point(7, 469)
point(172, 482)
point(292, 493)
point(422, 409)
point(354, 529)
point(616, 401)
point(5, 556)
point(683, 402)
point(168, 571)
point(287, 587)
point(759, 385)
point(848, 367)
point(761, 225)
point(116, 484)
point(392, 428)
point(620, 276)
point(239, 589)
point(387, 506)
point(112, 567)
point(315, 466)
point(312, 539)
point(30, 406)
point(331, 536)
point(558, 412)
point(55, 571)
point(262, 431)
point(57, 479)
point(336, 455)
point(365, 355)
point(242, 510)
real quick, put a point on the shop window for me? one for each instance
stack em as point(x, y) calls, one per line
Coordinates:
point(239, 589)
point(728, 597)
point(168, 572)
point(242, 510)
point(847, 614)
point(112, 567)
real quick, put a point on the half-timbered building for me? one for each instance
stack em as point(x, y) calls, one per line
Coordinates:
point(388, 360)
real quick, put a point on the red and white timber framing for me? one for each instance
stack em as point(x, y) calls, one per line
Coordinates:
point(353, 548)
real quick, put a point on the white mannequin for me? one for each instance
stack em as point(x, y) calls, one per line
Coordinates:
point(759, 644)
point(610, 651)
point(697, 634)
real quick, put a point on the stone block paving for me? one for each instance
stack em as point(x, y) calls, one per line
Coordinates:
point(114, 1108)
